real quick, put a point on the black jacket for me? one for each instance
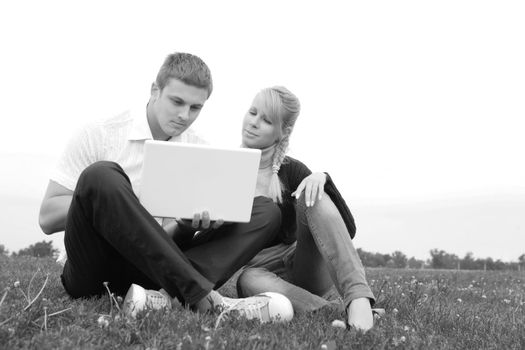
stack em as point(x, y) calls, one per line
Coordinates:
point(291, 173)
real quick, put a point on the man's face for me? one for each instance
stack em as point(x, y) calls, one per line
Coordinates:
point(176, 107)
point(258, 131)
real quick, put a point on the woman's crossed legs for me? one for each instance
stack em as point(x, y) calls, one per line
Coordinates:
point(323, 255)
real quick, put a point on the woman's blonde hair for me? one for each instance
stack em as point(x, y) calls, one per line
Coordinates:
point(283, 108)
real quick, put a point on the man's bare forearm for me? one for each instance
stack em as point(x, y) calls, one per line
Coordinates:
point(53, 213)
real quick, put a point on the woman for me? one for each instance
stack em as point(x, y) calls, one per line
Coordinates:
point(314, 249)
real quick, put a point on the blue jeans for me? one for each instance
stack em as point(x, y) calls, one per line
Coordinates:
point(323, 256)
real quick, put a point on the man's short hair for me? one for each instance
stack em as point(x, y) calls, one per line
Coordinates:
point(187, 68)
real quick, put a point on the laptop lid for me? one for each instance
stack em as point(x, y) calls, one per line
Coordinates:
point(181, 179)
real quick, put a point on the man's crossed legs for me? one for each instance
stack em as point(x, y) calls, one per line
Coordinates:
point(111, 237)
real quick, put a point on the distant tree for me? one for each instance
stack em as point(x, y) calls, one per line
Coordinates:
point(469, 263)
point(481, 263)
point(500, 265)
point(521, 262)
point(373, 259)
point(496, 265)
point(439, 259)
point(399, 259)
point(414, 263)
point(382, 259)
point(489, 264)
point(39, 249)
point(513, 265)
point(362, 255)
point(3, 251)
point(366, 257)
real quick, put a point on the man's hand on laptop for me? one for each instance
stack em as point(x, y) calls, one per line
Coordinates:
point(200, 221)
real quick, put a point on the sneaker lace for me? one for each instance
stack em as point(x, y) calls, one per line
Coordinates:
point(255, 307)
point(156, 300)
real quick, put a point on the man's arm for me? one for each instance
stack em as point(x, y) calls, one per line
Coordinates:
point(54, 208)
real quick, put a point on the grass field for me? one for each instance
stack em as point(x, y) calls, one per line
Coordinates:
point(425, 309)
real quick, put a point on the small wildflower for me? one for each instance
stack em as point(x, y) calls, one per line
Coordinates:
point(506, 301)
point(16, 284)
point(459, 300)
point(187, 338)
point(483, 296)
point(207, 344)
point(331, 345)
point(399, 340)
point(470, 286)
point(103, 321)
point(402, 294)
point(338, 324)
point(457, 315)
point(395, 311)
point(406, 328)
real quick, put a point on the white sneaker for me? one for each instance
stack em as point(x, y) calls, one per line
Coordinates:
point(265, 307)
point(138, 299)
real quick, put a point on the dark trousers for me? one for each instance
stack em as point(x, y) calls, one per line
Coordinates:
point(111, 237)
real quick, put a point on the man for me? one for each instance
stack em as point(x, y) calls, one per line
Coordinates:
point(109, 236)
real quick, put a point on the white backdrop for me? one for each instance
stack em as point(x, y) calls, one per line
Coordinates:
point(410, 105)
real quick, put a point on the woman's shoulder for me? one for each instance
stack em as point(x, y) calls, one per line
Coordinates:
point(291, 164)
point(290, 161)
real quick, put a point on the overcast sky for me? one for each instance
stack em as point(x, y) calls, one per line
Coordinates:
point(407, 104)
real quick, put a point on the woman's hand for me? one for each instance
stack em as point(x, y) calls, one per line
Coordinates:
point(313, 186)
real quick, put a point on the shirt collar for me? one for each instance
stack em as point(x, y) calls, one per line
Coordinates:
point(140, 129)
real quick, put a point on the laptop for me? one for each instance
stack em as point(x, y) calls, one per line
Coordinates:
point(181, 179)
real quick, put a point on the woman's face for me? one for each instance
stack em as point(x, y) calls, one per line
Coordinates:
point(258, 130)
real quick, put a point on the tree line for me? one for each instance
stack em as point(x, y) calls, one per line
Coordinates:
point(40, 250)
point(439, 259)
